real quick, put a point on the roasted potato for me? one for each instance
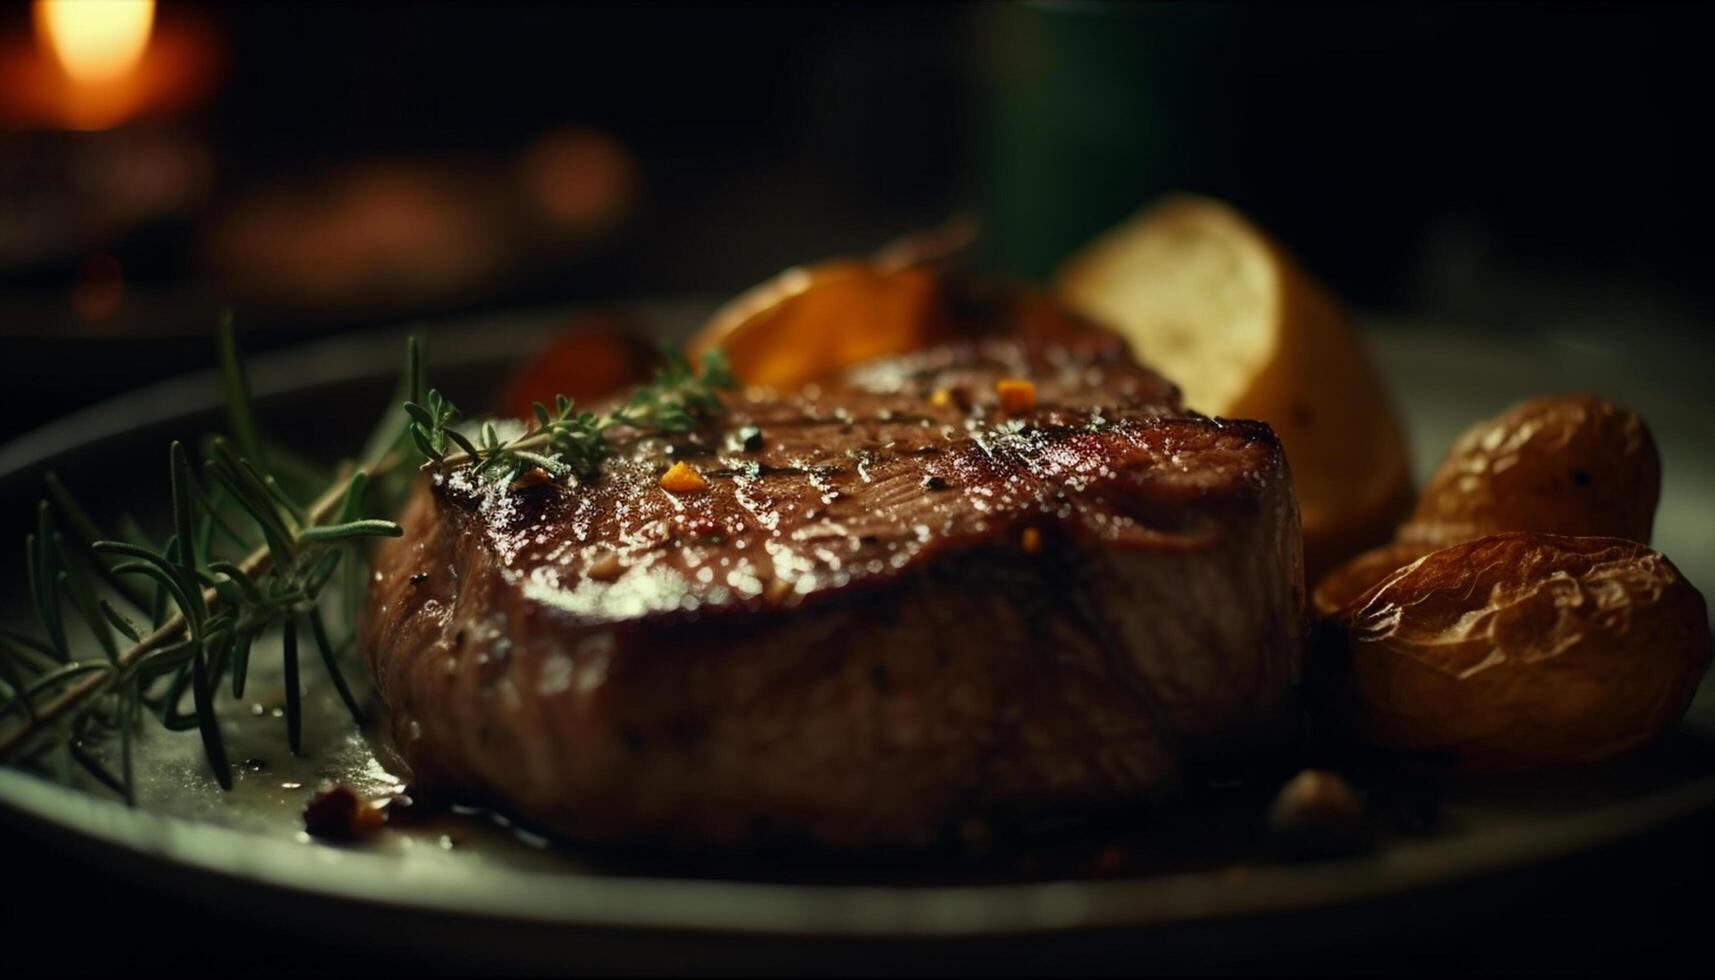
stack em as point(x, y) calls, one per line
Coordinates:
point(1574, 464)
point(1518, 651)
point(1210, 300)
point(1339, 587)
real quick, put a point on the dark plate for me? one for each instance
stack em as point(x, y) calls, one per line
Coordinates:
point(465, 891)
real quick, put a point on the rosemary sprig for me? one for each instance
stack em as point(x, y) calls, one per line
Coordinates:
point(563, 440)
point(201, 611)
point(221, 607)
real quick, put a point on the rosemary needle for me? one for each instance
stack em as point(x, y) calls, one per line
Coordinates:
point(219, 606)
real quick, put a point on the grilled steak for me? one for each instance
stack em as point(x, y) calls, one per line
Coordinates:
point(894, 608)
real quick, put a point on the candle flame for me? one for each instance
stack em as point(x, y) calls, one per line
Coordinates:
point(95, 42)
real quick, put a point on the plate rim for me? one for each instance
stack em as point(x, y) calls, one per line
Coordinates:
point(556, 898)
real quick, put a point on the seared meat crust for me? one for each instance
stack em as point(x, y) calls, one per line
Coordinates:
point(896, 608)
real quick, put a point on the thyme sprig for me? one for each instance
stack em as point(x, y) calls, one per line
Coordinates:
point(201, 611)
point(563, 440)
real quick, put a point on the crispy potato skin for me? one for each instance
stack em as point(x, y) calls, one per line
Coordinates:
point(1519, 651)
point(1339, 587)
point(1573, 464)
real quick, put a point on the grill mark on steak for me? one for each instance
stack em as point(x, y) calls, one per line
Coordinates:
point(846, 637)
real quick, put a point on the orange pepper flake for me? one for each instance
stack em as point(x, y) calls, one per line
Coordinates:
point(1016, 395)
point(1030, 541)
point(683, 479)
point(941, 398)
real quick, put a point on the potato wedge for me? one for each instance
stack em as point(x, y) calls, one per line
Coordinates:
point(1207, 298)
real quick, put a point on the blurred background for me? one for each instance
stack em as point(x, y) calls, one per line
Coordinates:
point(323, 168)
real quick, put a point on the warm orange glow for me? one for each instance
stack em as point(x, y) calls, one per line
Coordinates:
point(97, 64)
point(96, 41)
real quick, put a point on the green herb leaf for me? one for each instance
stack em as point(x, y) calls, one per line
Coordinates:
point(330, 659)
point(83, 599)
point(43, 576)
point(87, 532)
point(350, 530)
point(294, 707)
point(202, 690)
point(236, 387)
point(125, 627)
point(564, 441)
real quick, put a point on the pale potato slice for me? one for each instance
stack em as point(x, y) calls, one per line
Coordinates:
point(1208, 299)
